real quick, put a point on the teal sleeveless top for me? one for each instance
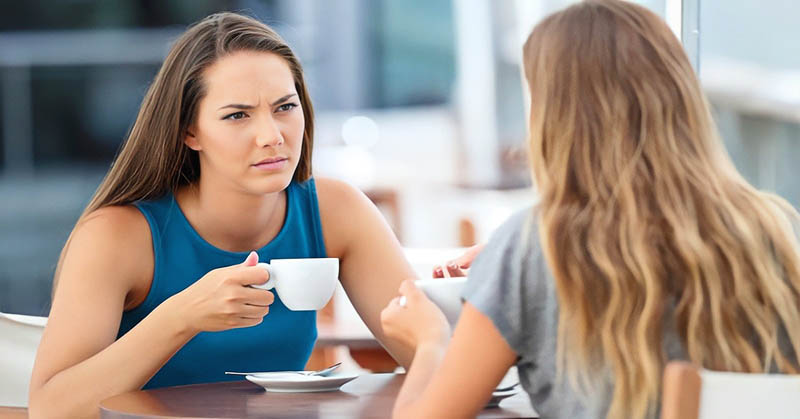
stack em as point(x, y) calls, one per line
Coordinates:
point(283, 341)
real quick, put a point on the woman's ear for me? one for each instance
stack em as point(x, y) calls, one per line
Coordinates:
point(191, 141)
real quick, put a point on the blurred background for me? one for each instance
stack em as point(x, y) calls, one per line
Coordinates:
point(419, 103)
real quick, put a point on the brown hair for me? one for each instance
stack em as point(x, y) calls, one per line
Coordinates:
point(154, 159)
point(644, 219)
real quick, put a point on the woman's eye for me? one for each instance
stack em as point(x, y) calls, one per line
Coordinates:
point(286, 107)
point(236, 115)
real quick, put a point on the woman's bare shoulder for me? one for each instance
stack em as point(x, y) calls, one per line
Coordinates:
point(113, 240)
point(340, 201)
point(119, 226)
point(343, 209)
point(334, 191)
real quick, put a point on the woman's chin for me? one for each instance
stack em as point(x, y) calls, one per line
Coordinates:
point(272, 184)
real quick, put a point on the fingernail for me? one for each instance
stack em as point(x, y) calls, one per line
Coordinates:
point(452, 264)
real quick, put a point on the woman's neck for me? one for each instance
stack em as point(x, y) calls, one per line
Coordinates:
point(232, 220)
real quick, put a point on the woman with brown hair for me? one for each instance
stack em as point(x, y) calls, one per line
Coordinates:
point(217, 163)
point(646, 245)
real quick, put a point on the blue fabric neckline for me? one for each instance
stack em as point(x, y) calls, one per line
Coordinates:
point(288, 219)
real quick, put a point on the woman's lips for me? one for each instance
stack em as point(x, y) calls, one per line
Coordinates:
point(271, 164)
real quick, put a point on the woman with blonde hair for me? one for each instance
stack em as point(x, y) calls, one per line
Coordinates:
point(646, 245)
point(154, 286)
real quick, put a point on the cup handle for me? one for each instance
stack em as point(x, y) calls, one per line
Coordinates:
point(270, 284)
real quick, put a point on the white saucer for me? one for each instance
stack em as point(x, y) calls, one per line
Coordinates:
point(291, 382)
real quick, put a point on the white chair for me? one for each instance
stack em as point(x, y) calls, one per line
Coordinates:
point(693, 393)
point(19, 338)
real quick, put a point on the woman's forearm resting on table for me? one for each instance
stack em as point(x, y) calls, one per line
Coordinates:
point(409, 402)
point(125, 365)
point(473, 361)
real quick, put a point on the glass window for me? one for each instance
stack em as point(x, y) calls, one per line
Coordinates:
point(750, 69)
point(413, 53)
point(98, 14)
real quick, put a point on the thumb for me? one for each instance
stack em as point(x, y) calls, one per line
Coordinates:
point(409, 289)
point(252, 259)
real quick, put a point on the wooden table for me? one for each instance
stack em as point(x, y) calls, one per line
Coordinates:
point(368, 396)
point(13, 412)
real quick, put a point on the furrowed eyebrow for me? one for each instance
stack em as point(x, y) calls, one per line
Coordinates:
point(237, 106)
point(245, 106)
point(283, 99)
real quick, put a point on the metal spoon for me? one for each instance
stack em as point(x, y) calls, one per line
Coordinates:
point(322, 373)
point(506, 388)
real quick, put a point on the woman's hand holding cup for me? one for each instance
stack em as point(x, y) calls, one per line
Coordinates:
point(412, 318)
point(224, 299)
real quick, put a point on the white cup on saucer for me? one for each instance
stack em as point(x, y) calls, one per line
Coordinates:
point(302, 284)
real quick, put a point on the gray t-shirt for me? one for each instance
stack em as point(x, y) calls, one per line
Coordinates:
point(511, 284)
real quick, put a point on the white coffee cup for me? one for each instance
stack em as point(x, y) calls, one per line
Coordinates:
point(302, 284)
point(445, 293)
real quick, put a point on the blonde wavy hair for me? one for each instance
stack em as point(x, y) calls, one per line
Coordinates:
point(645, 222)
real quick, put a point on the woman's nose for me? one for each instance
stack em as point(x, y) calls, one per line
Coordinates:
point(269, 134)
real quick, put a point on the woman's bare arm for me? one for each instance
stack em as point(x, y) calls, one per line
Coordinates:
point(372, 263)
point(474, 362)
point(78, 362)
point(108, 268)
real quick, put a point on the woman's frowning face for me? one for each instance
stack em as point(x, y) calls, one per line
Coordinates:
point(249, 125)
